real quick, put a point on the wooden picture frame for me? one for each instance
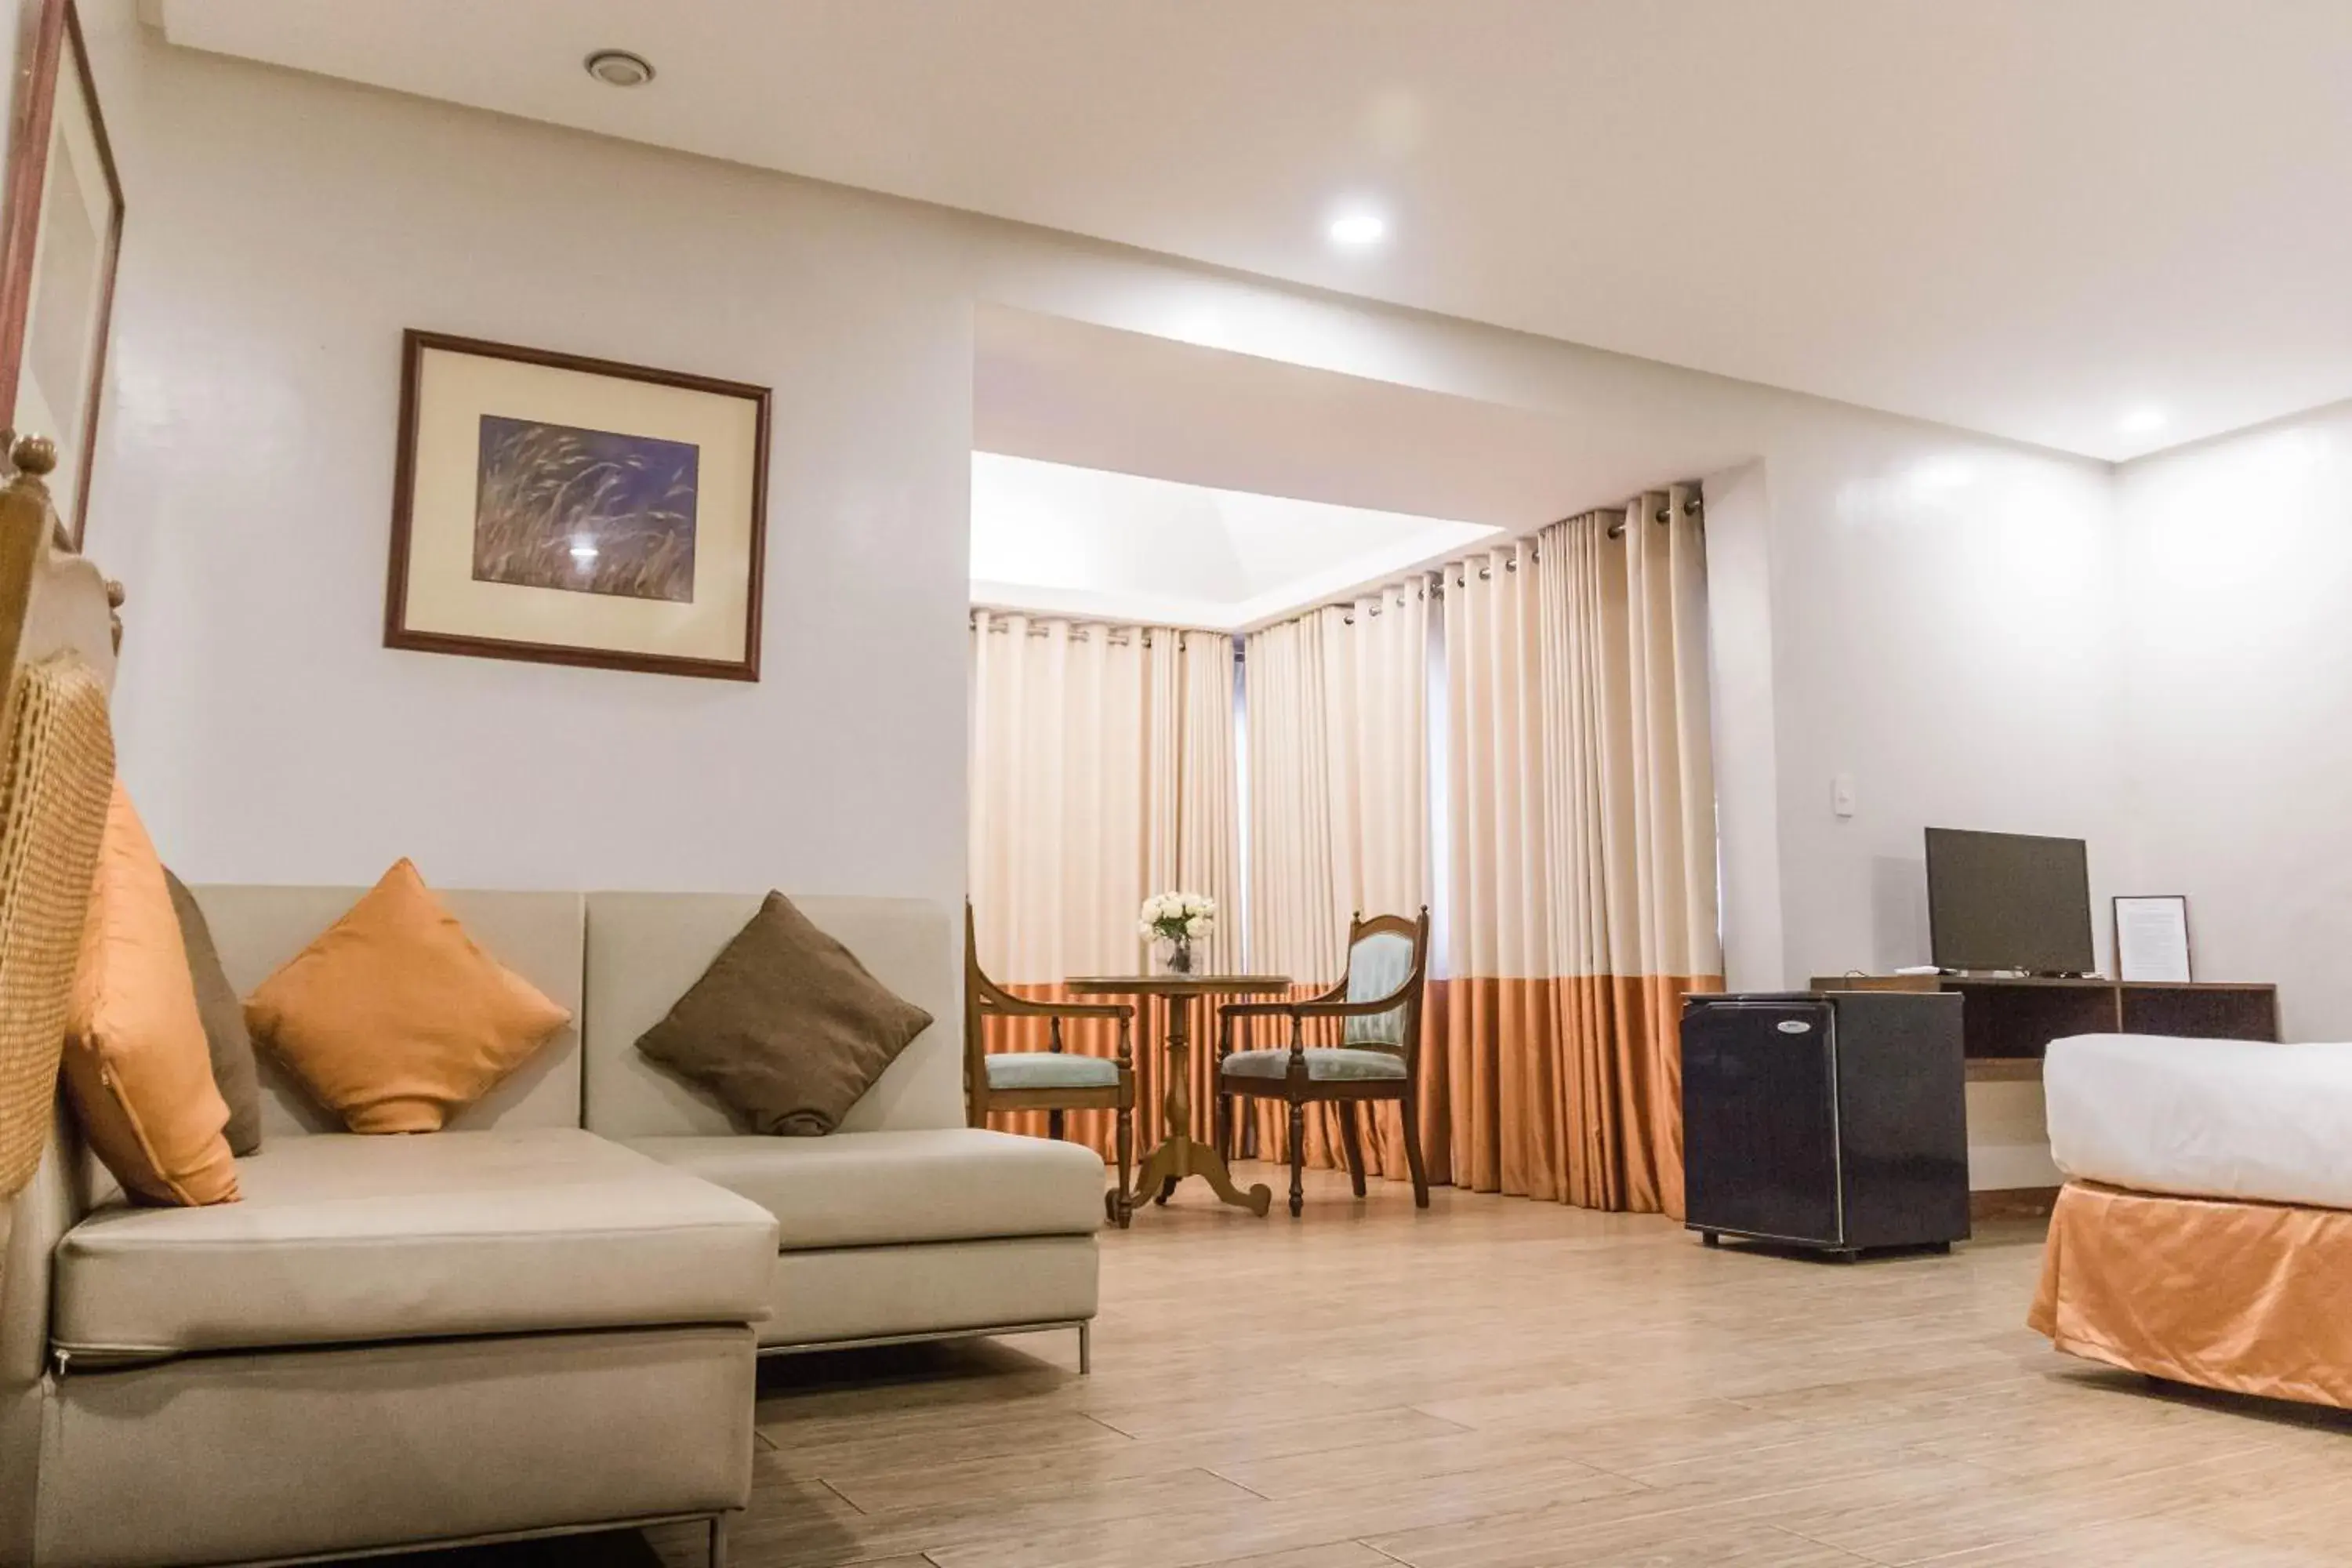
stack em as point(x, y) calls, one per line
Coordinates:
point(2161, 922)
point(564, 509)
point(59, 256)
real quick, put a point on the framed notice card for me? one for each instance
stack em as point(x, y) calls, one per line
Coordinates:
point(2152, 938)
point(576, 511)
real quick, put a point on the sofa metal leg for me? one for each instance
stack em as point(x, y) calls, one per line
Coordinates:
point(718, 1541)
point(1085, 1349)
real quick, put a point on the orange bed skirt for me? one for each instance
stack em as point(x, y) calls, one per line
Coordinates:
point(2248, 1297)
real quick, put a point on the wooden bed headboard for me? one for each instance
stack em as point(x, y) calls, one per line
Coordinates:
point(52, 600)
point(59, 637)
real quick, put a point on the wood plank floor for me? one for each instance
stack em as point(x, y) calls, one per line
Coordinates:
point(1500, 1383)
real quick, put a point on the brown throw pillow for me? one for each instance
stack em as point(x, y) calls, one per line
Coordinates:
point(135, 1064)
point(223, 1018)
point(786, 1027)
point(393, 1019)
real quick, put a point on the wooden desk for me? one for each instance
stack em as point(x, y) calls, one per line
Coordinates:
point(1179, 1155)
point(2008, 1024)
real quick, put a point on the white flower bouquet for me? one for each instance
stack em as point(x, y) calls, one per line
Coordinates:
point(1173, 922)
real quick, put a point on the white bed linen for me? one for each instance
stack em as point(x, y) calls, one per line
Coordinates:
point(2229, 1119)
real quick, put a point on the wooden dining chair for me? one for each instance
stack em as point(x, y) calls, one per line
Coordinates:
point(1052, 1080)
point(1378, 1058)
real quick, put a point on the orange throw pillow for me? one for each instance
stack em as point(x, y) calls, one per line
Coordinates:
point(136, 1068)
point(393, 1018)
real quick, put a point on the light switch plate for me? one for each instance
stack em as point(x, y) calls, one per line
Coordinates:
point(1842, 794)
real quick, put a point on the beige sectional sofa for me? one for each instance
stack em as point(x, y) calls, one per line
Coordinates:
point(543, 1320)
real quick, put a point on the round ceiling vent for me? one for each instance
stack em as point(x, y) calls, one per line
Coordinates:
point(618, 68)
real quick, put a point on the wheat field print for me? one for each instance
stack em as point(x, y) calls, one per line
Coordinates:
point(588, 511)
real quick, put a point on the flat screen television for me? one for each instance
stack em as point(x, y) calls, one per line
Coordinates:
point(2008, 900)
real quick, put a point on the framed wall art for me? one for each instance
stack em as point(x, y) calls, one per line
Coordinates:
point(62, 234)
point(574, 510)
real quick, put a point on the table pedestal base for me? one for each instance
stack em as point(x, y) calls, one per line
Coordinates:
point(1179, 1157)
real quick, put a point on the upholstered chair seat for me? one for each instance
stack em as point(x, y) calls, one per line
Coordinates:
point(1050, 1070)
point(1324, 1065)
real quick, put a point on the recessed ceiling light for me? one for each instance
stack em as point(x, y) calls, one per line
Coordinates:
point(618, 68)
point(1359, 229)
point(2141, 421)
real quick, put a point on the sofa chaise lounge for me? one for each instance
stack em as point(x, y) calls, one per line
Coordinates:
point(906, 1224)
point(543, 1320)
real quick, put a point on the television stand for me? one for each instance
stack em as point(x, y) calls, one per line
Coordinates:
point(2009, 1021)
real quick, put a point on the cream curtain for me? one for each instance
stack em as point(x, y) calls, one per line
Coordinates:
point(1204, 830)
point(1568, 844)
point(1102, 770)
point(1338, 807)
point(1581, 884)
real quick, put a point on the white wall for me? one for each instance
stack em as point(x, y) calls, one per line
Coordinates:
point(1747, 746)
point(2237, 703)
point(282, 231)
point(1930, 611)
point(1945, 623)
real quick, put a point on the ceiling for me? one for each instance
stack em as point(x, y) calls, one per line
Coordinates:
point(2033, 218)
point(1116, 546)
point(1098, 397)
point(1259, 487)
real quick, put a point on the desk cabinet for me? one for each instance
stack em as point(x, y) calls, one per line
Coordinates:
point(2009, 1023)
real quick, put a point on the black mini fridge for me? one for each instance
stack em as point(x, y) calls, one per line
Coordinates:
point(1834, 1120)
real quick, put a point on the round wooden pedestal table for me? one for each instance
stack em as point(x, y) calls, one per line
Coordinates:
point(1179, 1155)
